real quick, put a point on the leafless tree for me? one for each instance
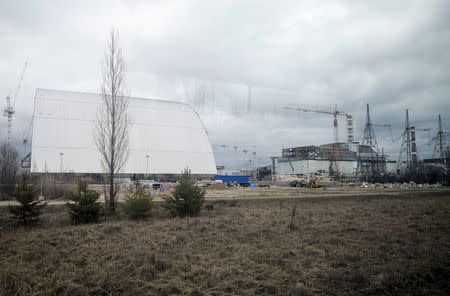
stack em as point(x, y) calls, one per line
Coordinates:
point(112, 124)
point(9, 167)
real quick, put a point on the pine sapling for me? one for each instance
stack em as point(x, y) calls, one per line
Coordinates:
point(138, 203)
point(84, 206)
point(187, 198)
point(29, 208)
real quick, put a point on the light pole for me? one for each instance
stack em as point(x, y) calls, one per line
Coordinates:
point(146, 168)
point(61, 163)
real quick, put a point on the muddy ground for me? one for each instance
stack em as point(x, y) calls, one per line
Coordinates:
point(359, 244)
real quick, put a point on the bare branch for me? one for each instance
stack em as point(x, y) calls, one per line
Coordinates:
point(112, 122)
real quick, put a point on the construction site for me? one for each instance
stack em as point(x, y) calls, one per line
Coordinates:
point(171, 135)
point(223, 148)
point(342, 162)
point(364, 161)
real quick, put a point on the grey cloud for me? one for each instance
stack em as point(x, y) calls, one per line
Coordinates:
point(391, 54)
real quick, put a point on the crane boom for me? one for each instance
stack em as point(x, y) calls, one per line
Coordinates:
point(334, 168)
point(19, 85)
point(335, 113)
point(9, 110)
point(309, 110)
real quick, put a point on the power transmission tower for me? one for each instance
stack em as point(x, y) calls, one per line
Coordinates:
point(404, 160)
point(369, 138)
point(369, 166)
point(441, 147)
point(441, 143)
point(408, 158)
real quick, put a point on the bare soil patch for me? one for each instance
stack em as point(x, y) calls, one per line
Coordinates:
point(371, 245)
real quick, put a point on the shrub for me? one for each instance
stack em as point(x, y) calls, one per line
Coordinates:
point(187, 198)
point(84, 206)
point(28, 210)
point(293, 183)
point(9, 167)
point(138, 203)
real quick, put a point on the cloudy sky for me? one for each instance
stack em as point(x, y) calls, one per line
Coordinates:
point(239, 62)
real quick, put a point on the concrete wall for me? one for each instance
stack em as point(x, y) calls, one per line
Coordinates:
point(305, 167)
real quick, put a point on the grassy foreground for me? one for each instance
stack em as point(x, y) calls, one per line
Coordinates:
point(370, 245)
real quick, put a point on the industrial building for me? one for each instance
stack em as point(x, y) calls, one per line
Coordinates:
point(165, 137)
point(344, 160)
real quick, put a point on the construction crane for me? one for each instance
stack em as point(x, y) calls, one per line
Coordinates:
point(333, 169)
point(10, 104)
point(335, 113)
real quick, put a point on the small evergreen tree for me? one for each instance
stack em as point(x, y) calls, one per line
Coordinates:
point(187, 198)
point(84, 206)
point(138, 203)
point(28, 210)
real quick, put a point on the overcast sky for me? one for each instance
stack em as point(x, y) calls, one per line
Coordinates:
point(393, 55)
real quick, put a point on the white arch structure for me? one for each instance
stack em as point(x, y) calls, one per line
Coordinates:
point(165, 136)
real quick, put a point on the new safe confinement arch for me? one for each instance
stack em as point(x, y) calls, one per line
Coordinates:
point(165, 137)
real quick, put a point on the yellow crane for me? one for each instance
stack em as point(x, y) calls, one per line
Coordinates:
point(334, 169)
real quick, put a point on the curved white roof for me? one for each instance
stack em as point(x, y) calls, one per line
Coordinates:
point(170, 133)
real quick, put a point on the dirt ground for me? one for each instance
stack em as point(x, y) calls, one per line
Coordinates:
point(359, 244)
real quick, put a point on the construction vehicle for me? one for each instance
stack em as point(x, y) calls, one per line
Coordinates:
point(314, 182)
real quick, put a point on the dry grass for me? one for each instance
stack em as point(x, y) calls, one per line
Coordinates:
point(371, 245)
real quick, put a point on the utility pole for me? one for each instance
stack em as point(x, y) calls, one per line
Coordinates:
point(61, 162)
point(249, 99)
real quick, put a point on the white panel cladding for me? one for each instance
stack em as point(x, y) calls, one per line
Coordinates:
point(312, 166)
point(170, 133)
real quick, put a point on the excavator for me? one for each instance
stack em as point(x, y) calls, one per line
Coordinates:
point(314, 182)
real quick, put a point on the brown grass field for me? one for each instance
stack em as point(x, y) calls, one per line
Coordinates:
point(339, 245)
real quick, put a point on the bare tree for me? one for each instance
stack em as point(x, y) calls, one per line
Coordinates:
point(9, 167)
point(112, 124)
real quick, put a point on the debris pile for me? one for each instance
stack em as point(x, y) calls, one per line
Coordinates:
point(399, 185)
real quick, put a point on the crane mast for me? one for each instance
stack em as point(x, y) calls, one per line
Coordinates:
point(8, 112)
point(334, 168)
point(9, 109)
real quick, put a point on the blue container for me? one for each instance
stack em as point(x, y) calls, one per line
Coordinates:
point(233, 179)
